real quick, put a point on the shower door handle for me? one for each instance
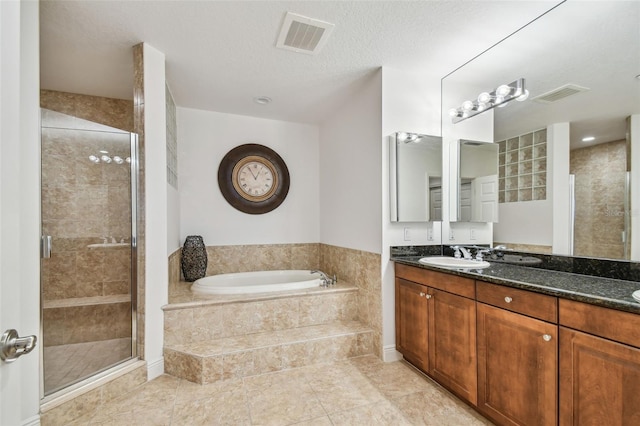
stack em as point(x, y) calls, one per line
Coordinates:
point(45, 246)
point(13, 346)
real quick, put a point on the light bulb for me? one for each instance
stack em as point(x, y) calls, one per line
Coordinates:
point(481, 106)
point(503, 90)
point(467, 106)
point(524, 96)
point(106, 159)
point(453, 112)
point(484, 97)
point(94, 159)
point(128, 160)
point(402, 136)
point(498, 100)
point(118, 160)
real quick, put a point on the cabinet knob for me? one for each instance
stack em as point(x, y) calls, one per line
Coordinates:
point(422, 294)
point(546, 337)
point(508, 299)
point(429, 296)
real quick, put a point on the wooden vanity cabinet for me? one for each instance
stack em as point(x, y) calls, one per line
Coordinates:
point(517, 356)
point(599, 365)
point(436, 327)
point(412, 317)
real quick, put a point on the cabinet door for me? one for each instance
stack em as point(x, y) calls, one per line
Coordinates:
point(411, 322)
point(452, 343)
point(599, 381)
point(517, 368)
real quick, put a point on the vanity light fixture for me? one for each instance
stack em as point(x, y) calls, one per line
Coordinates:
point(487, 100)
point(409, 137)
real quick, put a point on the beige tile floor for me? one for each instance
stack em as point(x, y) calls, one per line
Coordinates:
point(359, 391)
point(67, 364)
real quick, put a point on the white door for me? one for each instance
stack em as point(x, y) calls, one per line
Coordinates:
point(485, 199)
point(19, 205)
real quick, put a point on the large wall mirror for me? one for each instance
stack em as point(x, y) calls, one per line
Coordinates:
point(569, 147)
point(415, 173)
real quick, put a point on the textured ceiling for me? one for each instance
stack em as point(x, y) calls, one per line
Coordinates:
point(221, 54)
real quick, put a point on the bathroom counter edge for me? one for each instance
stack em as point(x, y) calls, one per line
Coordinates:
point(605, 292)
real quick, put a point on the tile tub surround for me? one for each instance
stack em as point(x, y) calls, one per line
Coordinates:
point(360, 268)
point(218, 337)
point(361, 390)
point(606, 292)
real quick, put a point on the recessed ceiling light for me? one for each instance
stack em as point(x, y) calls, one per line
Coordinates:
point(262, 100)
point(588, 139)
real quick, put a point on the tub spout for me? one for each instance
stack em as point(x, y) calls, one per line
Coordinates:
point(325, 280)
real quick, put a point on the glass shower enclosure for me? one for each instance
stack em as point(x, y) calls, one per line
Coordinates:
point(88, 183)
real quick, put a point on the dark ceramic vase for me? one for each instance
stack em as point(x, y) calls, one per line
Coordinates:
point(194, 258)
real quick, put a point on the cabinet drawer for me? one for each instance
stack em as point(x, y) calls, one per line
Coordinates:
point(524, 302)
point(608, 323)
point(446, 282)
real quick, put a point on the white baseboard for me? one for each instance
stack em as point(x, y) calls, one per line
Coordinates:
point(32, 421)
point(389, 354)
point(155, 369)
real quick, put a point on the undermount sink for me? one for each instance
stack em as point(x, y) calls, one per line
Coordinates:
point(454, 262)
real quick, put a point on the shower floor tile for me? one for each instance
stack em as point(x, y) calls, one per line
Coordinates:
point(66, 364)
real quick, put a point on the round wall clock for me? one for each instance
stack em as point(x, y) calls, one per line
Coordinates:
point(253, 178)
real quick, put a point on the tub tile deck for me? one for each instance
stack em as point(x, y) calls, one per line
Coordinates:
point(243, 356)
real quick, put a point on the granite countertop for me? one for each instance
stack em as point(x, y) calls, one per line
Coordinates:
point(606, 292)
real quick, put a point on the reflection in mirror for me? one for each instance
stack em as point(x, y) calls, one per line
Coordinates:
point(581, 63)
point(416, 177)
point(478, 181)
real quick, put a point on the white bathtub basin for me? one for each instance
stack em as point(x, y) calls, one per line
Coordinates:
point(453, 262)
point(256, 282)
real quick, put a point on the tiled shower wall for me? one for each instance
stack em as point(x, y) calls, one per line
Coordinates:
point(362, 269)
point(599, 190)
point(83, 203)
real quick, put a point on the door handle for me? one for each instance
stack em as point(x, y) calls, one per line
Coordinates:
point(12, 346)
point(45, 246)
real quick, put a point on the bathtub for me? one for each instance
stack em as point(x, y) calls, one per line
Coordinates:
point(256, 282)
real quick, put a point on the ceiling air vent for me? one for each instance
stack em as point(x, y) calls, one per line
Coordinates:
point(302, 34)
point(560, 93)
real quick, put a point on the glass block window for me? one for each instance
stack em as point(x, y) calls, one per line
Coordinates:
point(172, 140)
point(523, 167)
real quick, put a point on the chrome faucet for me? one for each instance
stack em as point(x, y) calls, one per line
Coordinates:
point(481, 252)
point(325, 280)
point(465, 253)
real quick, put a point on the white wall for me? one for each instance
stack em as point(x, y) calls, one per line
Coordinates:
point(410, 103)
point(156, 262)
point(350, 172)
point(173, 220)
point(558, 172)
point(204, 139)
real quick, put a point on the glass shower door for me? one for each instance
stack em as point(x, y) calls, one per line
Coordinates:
point(86, 270)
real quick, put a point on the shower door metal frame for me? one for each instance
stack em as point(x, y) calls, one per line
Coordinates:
point(134, 170)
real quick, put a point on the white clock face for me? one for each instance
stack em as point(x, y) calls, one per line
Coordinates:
point(255, 178)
